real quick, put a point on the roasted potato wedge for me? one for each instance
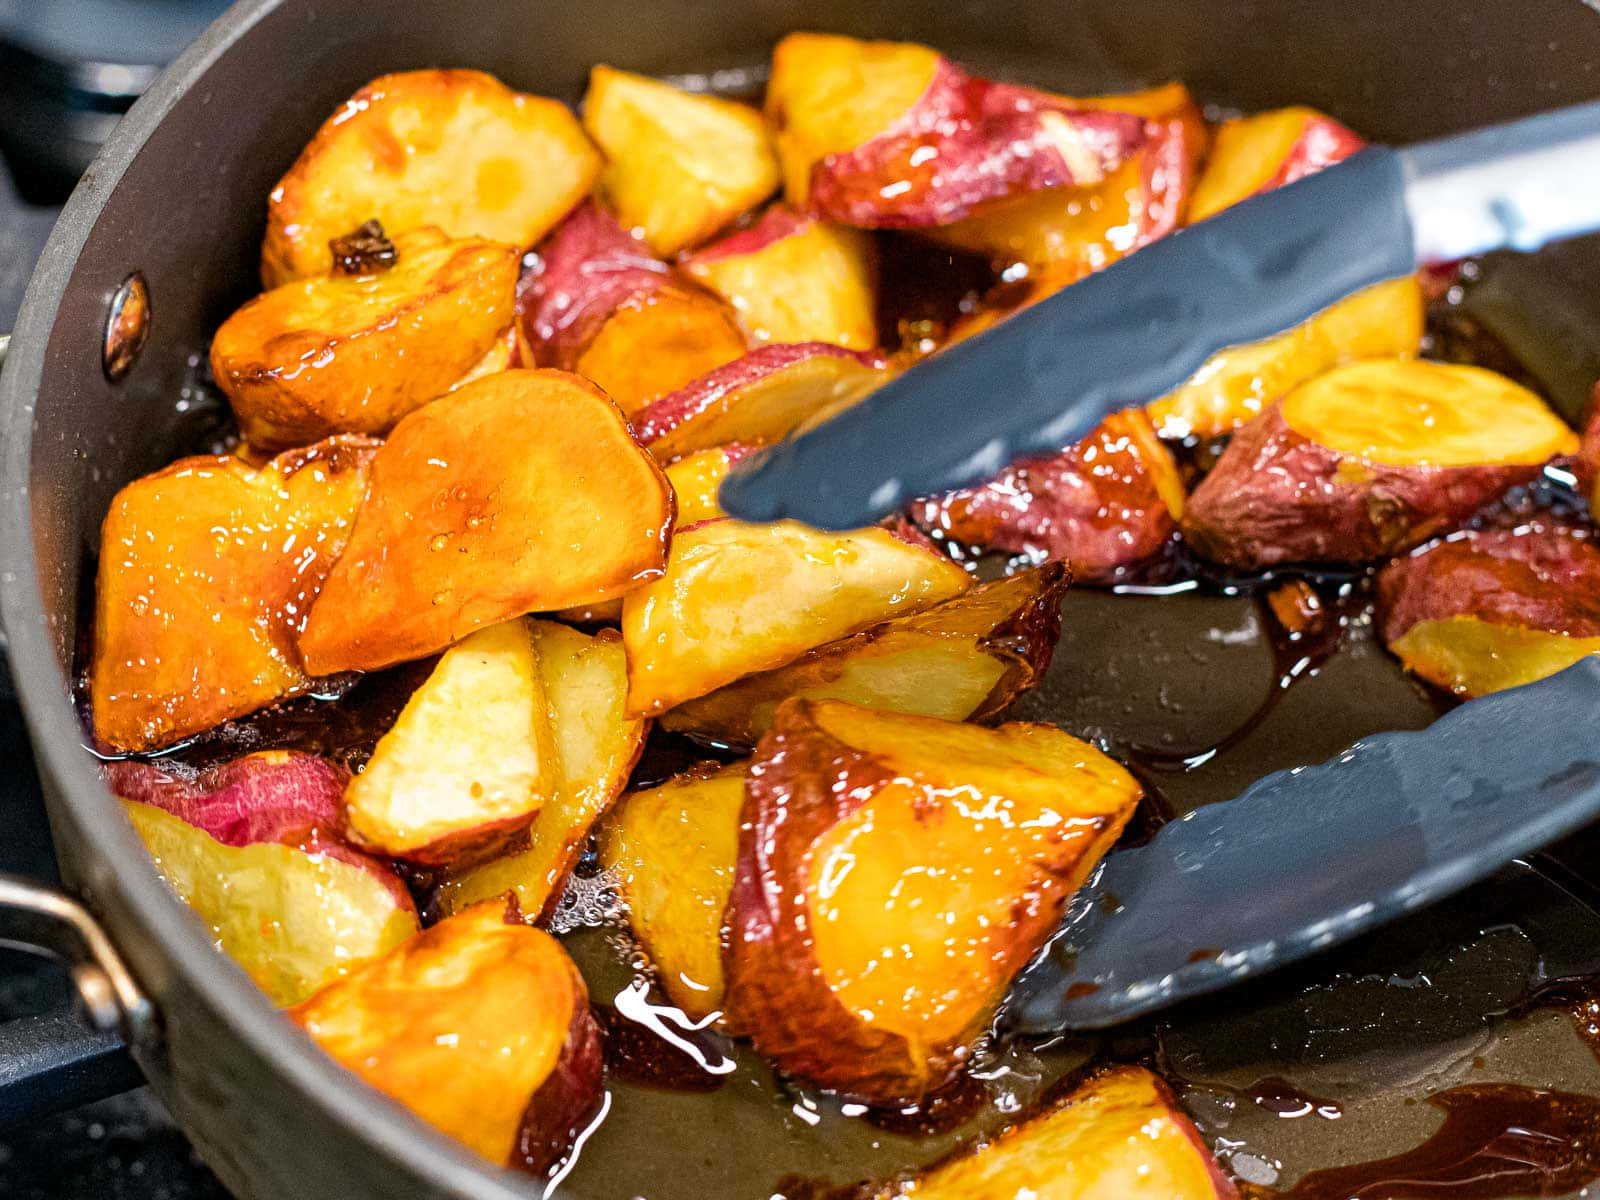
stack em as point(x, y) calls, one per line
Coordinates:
point(678, 166)
point(1120, 1136)
point(586, 686)
point(740, 598)
point(207, 570)
point(1105, 505)
point(671, 852)
point(1587, 468)
point(481, 1027)
point(1370, 460)
point(455, 149)
point(895, 872)
point(793, 278)
point(295, 917)
point(964, 659)
point(1494, 608)
point(1256, 154)
point(696, 479)
point(343, 353)
point(521, 492)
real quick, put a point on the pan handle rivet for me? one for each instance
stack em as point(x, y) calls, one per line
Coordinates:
point(127, 326)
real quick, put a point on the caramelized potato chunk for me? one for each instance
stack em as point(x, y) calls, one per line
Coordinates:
point(739, 598)
point(586, 686)
point(1121, 1136)
point(521, 492)
point(696, 479)
point(1369, 460)
point(295, 917)
point(339, 353)
point(671, 851)
point(1256, 154)
point(965, 659)
point(207, 570)
point(679, 166)
point(481, 1027)
point(455, 149)
point(795, 279)
point(895, 872)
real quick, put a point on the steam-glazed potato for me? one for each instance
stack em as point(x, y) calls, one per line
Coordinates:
point(966, 659)
point(353, 353)
point(739, 598)
point(1369, 460)
point(1494, 608)
point(1105, 505)
point(894, 874)
point(671, 852)
point(795, 279)
point(207, 570)
point(521, 492)
point(601, 305)
point(481, 1027)
point(1256, 154)
point(586, 687)
point(678, 166)
point(296, 916)
point(1120, 1136)
point(455, 149)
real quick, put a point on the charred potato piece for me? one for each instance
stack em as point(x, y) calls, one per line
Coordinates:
point(455, 149)
point(1369, 460)
point(793, 278)
point(383, 343)
point(895, 872)
point(671, 851)
point(586, 686)
point(207, 570)
point(965, 659)
point(739, 598)
point(521, 492)
point(481, 1027)
point(1256, 154)
point(1494, 608)
point(678, 166)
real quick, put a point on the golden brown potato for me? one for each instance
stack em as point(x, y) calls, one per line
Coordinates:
point(1258, 153)
point(671, 851)
point(586, 685)
point(456, 149)
point(895, 872)
point(739, 598)
point(964, 660)
point(343, 353)
point(678, 166)
point(207, 570)
point(695, 480)
point(521, 492)
point(481, 1027)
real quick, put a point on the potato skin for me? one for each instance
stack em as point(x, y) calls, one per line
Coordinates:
point(1276, 496)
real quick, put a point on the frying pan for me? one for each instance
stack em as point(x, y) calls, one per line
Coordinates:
point(177, 196)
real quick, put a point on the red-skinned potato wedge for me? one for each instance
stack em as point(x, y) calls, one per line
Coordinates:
point(670, 851)
point(739, 598)
point(1105, 505)
point(793, 278)
point(1493, 608)
point(876, 920)
point(468, 763)
point(296, 915)
point(270, 796)
point(481, 1027)
point(586, 686)
point(891, 135)
point(1255, 154)
point(599, 303)
point(1587, 468)
point(341, 353)
point(456, 149)
point(759, 398)
point(964, 660)
point(521, 492)
point(193, 627)
point(1119, 1136)
point(1370, 460)
point(678, 166)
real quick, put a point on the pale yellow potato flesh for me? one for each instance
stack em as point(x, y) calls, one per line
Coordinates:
point(1473, 657)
